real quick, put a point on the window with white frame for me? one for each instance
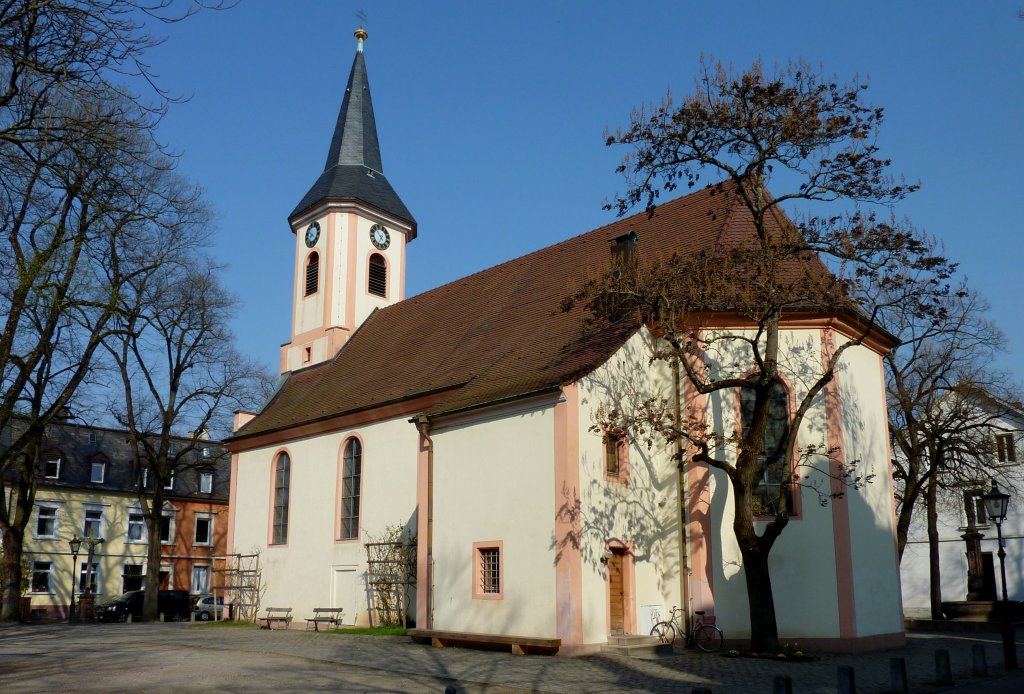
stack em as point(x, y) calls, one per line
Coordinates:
point(204, 529)
point(1006, 452)
point(136, 526)
point(41, 575)
point(132, 577)
point(84, 576)
point(167, 528)
point(145, 477)
point(93, 525)
point(205, 482)
point(170, 482)
point(46, 521)
point(200, 578)
point(51, 468)
point(98, 472)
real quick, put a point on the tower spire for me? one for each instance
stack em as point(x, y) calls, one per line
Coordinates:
point(353, 170)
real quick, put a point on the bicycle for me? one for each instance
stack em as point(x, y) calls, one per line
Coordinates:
point(706, 637)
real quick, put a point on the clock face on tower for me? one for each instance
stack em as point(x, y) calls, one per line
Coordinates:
point(380, 237)
point(312, 234)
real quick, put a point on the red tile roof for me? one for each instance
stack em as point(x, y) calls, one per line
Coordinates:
point(499, 333)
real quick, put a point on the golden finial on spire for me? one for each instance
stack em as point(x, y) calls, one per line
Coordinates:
point(360, 37)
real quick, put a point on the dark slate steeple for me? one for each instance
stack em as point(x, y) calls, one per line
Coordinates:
point(354, 170)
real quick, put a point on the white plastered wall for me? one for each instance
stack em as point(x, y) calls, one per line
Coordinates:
point(802, 562)
point(873, 544)
point(494, 482)
point(311, 569)
point(643, 514)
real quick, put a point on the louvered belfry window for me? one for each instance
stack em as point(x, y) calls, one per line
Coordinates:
point(312, 273)
point(378, 275)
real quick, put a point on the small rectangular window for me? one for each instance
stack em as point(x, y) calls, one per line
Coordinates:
point(488, 572)
point(89, 580)
point(132, 578)
point(136, 527)
point(200, 579)
point(46, 522)
point(93, 523)
point(204, 530)
point(205, 482)
point(170, 482)
point(41, 576)
point(52, 471)
point(1005, 449)
point(98, 472)
point(167, 529)
point(616, 455)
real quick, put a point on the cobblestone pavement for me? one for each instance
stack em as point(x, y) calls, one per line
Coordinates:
point(184, 657)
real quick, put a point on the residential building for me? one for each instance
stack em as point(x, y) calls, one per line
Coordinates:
point(962, 521)
point(466, 415)
point(88, 487)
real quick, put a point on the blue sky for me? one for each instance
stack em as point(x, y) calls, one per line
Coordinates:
point(491, 118)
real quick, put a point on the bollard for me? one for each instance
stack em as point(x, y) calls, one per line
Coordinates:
point(845, 683)
point(1009, 645)
point(129, 620)
point(979, 666)
point(898, 676)
point(782, 685)
point(161, 617)
point(943, 673)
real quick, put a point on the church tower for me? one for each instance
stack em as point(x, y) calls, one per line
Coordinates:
point(351, 230)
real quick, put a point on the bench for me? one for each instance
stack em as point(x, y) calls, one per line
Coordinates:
point(276, 615)
point(521, 645)
point(325, 615)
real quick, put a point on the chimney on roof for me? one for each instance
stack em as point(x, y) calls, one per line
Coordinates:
point(624, 248)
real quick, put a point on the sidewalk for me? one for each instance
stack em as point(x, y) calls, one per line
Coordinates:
point(183, 657)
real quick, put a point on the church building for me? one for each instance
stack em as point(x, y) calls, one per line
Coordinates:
point(465, 415)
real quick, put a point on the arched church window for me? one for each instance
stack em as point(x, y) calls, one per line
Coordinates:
point(772, 466)
point(351, 472)
point(282, 484)
point(378, 275)
point(312, 273)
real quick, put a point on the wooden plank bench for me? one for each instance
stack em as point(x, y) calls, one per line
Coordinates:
point(276, 615)
point(325, 615)
point(521, 645)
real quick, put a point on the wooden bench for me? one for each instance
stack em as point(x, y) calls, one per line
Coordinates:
point(521, 645)
point(276, 615)
point(325, 615)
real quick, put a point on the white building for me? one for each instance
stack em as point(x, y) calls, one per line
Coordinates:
point(465, 415)
point(962, 511)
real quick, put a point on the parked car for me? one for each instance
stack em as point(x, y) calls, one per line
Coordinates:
point(207, 608)
point(174, 605)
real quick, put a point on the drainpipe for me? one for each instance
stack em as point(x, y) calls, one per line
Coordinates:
point(682, 484)
point(423, 425)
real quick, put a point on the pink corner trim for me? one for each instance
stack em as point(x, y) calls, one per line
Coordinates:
point(568, 552)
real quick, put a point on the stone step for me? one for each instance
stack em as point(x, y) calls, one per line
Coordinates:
point(635, 646)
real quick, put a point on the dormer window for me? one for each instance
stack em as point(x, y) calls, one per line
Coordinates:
point(312, 273)
point(378, 282)
point(52, 467)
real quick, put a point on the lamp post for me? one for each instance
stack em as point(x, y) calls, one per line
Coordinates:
point(75, 543)
point(88, 599)
point(995, 506)
point(996, 503)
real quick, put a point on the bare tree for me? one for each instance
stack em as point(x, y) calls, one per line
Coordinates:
point(182, 378)
point(814, 138)
point(944, 402)
point(88, 202)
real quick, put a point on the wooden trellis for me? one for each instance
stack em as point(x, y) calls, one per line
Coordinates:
point(391, 579)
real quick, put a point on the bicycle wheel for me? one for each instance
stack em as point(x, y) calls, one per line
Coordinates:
point(664, 631)
point(708, 638)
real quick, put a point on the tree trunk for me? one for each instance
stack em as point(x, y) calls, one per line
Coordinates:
point(934, 580)
point(764, 630)
point(150, 604)
point(13, 544)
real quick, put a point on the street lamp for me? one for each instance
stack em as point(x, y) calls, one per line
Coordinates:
point(75, 543)
point(995, 506)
